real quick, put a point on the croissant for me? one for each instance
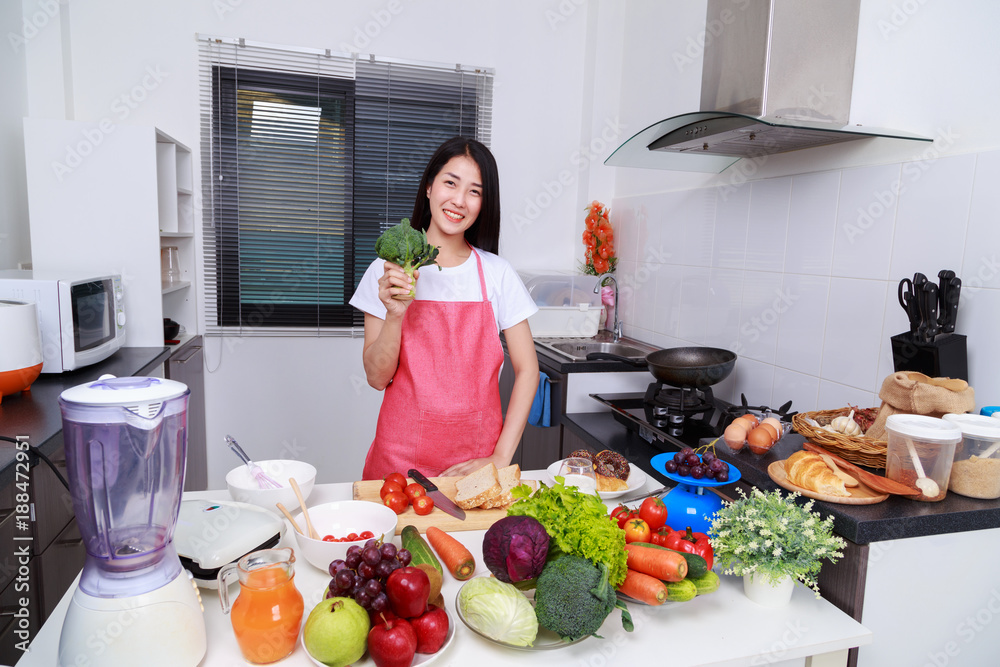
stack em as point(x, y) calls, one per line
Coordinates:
point(809, 471)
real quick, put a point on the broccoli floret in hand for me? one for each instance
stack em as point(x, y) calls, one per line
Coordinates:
point(573, 597)
point(404, 245)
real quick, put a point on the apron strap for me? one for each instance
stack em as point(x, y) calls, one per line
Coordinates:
point(482, 276)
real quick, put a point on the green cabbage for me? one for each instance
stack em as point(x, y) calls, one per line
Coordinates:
point(498, 610)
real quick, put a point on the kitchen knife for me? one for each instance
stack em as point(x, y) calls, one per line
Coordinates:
point(441, 501)
point(930, 322)
point(949, 305)
point(643, 496)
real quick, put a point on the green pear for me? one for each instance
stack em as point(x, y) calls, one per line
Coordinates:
point(336, 632)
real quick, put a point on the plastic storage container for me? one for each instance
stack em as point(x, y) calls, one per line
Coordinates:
point(567, 305)
point(920, 453)
point(976, 470)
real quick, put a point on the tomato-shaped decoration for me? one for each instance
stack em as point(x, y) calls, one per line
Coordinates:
point(396, 501)
point(653, 512)
point(389, 487)
point(604, 252)
point(423, 505)
point(397, 478)
point(636, 530)
point(600, 265)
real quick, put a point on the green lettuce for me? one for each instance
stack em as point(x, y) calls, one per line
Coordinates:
point(498, 610)
point(577, 523)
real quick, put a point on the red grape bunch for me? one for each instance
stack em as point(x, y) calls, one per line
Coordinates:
point(362, 573)
point(687, 463)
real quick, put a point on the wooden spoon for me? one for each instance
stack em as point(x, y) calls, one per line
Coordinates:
point(926, 485)
point(288, 515)
point(872, 481)
point(848, 480)
point(305, 513)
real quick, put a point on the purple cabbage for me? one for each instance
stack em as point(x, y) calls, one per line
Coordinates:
point(515, 548)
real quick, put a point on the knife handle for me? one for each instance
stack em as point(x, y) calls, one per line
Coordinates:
point(419, 478)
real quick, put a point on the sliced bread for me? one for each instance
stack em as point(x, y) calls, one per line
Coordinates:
point(477, 487)
point(510, 476)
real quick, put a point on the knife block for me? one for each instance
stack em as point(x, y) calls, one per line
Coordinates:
point(945, 356)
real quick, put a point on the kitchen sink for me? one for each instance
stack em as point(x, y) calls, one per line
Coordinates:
point(577, 349)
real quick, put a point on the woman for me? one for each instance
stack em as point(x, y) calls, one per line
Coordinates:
point(438, 356)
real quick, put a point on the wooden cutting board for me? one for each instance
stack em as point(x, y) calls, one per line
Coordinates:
point(860, 494)
point(475, 519)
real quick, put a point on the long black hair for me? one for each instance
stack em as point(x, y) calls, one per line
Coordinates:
point(484, 233)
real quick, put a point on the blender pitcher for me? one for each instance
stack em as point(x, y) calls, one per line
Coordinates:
point(126, 441)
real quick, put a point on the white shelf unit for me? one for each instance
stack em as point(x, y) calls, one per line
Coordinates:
point(106, 198)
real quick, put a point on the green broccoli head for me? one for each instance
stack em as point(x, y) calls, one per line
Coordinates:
point(402, 244)
point(573, 597)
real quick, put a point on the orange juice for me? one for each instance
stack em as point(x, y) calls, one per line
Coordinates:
point(267, 614)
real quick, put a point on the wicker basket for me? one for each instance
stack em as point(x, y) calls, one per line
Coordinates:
point(858, 450)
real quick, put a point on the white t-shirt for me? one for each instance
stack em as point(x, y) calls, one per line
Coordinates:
point(507, 294)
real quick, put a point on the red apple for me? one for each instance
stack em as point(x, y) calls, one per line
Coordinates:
point(431, 628)
point(392, 642)
point(408, 589)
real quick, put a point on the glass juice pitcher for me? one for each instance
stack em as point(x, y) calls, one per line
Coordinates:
point(268, 612)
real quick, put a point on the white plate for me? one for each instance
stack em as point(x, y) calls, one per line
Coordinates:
point(418, 659)
point(636, 479)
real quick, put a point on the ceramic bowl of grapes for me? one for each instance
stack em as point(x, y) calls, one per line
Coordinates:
point(706, 467)
point(341, 525)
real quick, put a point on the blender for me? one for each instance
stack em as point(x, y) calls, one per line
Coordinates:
point(126, 440)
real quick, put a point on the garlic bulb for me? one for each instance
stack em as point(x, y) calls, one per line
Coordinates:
point(846, 425)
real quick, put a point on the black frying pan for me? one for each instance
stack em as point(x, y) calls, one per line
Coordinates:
point(683, 366)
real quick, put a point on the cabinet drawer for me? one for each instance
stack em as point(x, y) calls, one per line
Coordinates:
point(59, 565)
point(8, 560)
point(14, 615)
point(53, 503)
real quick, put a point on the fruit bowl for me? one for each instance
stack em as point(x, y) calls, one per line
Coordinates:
point(244, 488)
point(340, 518)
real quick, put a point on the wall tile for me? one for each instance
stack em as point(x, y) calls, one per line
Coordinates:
point(732, 210)
point(932, 216)
point(768, 224)
point(801, 389)
point(667, 306)
point(979, 319)
point(759, 315)
point(853, 332)
point(644, 294)
point(754, 380)
point(981, 264)
point(812, 221)
point(725, 299)
point(695, 290)
point(866, 213)
point(803, 322)
point(625, 219)
point(833, 395)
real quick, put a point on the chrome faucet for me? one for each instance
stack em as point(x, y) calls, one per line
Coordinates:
point(616, 331)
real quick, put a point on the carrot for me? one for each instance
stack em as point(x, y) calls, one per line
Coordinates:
point(458, 560)
point(659, 563)
point(644, 588)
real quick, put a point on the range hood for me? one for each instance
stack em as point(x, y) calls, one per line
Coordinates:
point(777, 77)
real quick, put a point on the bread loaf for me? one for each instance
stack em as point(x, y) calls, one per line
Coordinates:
point(809, 471)
point(478, 487)
point(607, 484)
point(510, 476)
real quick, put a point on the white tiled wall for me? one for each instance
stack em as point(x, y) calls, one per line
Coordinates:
point(798, 274)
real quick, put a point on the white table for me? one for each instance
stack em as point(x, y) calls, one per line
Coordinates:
point(723, 628)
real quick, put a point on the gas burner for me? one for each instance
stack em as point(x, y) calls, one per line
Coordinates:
point(683, 401)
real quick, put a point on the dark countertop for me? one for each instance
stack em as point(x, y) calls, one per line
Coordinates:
point(892, 519)
point(35, 414)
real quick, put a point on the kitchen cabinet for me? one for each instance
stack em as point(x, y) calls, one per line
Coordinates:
point(186, 364)
point(539, 446)
point(106, 198)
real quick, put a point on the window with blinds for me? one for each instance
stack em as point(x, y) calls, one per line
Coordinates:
point(307, 157)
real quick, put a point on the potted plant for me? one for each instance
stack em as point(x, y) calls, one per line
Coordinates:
point(772, 541)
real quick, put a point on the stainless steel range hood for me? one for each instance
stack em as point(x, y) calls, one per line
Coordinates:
point(777, 77)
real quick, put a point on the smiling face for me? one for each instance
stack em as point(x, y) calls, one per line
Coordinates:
point(454, 198)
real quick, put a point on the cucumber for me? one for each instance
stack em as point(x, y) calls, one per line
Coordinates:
point(697, 566)
point(708, 583)
point(420, 551)
point(681, 591)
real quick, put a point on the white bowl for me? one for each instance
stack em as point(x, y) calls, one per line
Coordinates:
point(341, 518)
point(244, 488)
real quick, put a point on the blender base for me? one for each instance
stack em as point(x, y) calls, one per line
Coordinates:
point(163, 627)
point(689, 505)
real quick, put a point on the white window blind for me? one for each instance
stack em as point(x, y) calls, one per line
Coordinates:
point(307, 156)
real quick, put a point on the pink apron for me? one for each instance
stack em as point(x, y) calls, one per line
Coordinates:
point(443, 404)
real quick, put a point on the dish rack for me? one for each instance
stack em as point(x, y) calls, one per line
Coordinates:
point(861, 451)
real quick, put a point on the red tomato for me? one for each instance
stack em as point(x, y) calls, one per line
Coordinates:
point(387, 488)
point(423, 504)
point(352, 537)
point(329, 538)
point(627, 516)
point(636, 530)
point(659, 536)
point(414, 490)
point(653, 512)
point(366, 535)
point(396, 501)
point(396, 477)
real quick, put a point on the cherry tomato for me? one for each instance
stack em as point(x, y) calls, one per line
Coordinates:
point(396, 501)
point(329, 538)
point(627, 516)
point(413, 491)
point(396, 477)
point(366, 535)
point(387, 488)
point(352, 537)
point(636, 530)
point(653, 512)
point(423, 505)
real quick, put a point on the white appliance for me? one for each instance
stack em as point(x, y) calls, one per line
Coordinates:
point(126, 440)
point(81, 318)
point(21, 348)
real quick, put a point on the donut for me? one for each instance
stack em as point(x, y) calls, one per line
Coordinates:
point(581, 454)
point(611, 464)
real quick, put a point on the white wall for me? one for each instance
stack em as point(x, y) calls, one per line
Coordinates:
point(793, 261)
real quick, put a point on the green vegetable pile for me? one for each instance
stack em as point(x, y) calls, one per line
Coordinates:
point(577, 524)
point(402, 244)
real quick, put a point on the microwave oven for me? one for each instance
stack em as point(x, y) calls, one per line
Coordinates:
point(81, 317)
